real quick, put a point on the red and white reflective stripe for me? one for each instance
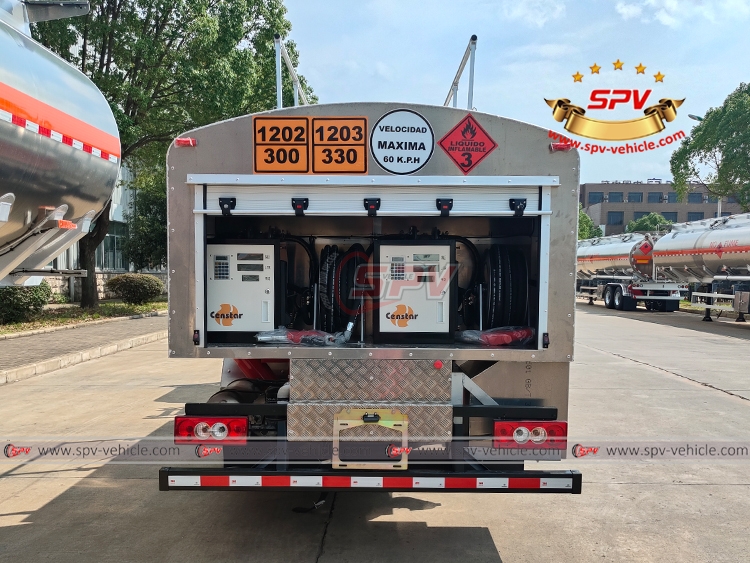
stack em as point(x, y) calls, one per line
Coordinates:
point(346, 481)
point(55, 136)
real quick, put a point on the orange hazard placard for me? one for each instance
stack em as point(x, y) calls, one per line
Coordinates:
point(281, 145)
point(339, 145)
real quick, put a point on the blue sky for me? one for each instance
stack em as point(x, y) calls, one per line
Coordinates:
point(408, 51)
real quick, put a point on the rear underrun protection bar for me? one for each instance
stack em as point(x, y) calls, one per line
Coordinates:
point(517, 481)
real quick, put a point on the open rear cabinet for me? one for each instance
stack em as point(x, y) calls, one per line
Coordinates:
point(404, 275)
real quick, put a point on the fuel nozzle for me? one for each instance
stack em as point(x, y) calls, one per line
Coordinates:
point(344, 337)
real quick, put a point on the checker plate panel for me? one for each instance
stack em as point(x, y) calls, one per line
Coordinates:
point(314, 421)
point(370, 380)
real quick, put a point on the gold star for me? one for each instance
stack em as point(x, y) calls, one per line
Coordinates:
point(577, 77)
point(640, 69)
point(595, 69)
point(618, 64)
point(659, 77)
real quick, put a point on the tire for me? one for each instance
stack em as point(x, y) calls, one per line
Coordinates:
point(608, 298)
point(618, 300)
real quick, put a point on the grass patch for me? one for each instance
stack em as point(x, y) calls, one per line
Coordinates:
point(74, 315)
point(685, 304)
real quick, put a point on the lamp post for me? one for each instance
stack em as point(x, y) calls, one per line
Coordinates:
point(718, 207)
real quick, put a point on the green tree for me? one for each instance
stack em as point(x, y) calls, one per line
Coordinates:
point(716, 154)
point(167, 66)
point(648, 223)
point(146, 243)
point(586, 227)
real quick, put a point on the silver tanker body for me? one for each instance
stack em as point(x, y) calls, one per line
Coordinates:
point(700, 251)
point(620, 271)
point(59, 145)
point(623, 254)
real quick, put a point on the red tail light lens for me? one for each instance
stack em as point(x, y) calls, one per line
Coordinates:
point(185, 142)
point(205, 429)
point(560, 147)
point(530, 434)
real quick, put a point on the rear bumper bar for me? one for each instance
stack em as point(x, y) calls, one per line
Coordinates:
point(238, 479)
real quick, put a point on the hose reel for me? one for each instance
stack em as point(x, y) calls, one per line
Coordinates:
point(506, 291)
point(340, 274)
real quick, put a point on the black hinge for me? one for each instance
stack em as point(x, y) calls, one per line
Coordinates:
point(196, 337)
point(545, 340)
point(372, 204)
point(517, 205)
point(444, 206)
point(299, 204)
point(227, 204)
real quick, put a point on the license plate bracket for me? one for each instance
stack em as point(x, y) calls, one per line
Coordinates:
point(389, 418)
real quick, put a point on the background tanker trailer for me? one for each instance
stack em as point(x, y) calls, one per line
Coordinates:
point(59, 146)
point(620, 271)
point(713, 253)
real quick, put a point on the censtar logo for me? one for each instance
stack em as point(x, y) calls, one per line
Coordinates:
point(401, 316)
point(226, 314)
point(607, 99)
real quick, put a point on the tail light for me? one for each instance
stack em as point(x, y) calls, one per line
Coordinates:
point(203, 429)
point(185, 142)
point(530, 434)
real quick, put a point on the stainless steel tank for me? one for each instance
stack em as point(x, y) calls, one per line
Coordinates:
point(59, 145)
point(615, 255)
point(698, 251)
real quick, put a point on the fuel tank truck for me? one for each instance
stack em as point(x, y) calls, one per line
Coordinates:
point(388, 319)
point(714, 253)
point(620, 270)
point(59, 146)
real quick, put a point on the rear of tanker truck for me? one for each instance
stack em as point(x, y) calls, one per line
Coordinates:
point(391, 290)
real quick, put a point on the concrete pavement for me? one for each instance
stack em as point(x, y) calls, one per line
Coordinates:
point(636, 376)
point(28, 356)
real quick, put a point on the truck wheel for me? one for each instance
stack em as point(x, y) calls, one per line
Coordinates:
point(618, 299)
point(608, 298)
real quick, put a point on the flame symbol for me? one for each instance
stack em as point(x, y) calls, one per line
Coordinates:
point(468, 132)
